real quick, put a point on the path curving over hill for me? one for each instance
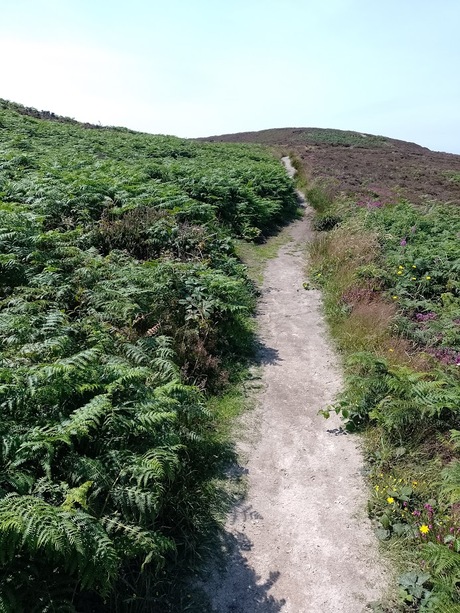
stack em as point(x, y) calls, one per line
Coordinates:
point(300, 542)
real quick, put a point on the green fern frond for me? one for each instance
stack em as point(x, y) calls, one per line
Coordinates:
point(42, 349)
point(87, 417)
point(455, 438)
point(136, 503)
point(135, 541)
point(135, 353)
point(74, 539)
point(77, 496)
point(54, 321)
point(13, 476)
point(163, 370)
point(155, 465)
point(41, 444)
point(96, 470)
point(451, 481)
point(152, 420)
point(444, 561)
point(444, 566)
point(82, 359)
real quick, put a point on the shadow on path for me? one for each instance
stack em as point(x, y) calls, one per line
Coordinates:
point(246, 591)
point(230, 584)
point(266, 355)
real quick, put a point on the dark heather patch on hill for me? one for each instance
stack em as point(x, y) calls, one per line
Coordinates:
point(365, 165)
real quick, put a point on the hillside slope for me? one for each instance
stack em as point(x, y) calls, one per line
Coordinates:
point(123, 308)
point(359, 163)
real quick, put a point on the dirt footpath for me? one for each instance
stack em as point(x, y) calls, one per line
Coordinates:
point(300, 542)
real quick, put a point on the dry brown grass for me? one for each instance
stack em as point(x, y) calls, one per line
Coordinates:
point(360, 316)
point(344, 249)
point(367, 326)
point(349, 243)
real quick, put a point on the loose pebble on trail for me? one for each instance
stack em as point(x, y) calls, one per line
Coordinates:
point(300, 541)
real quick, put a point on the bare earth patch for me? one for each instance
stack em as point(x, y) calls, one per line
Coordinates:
point(300, 542)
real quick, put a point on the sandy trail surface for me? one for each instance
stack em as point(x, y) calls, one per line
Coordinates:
point(300, 541)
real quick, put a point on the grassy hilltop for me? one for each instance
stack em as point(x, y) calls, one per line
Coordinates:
point(123, 309)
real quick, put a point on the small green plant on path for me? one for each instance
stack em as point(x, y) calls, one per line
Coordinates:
point(255, 256)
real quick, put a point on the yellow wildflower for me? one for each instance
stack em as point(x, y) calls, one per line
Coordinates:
point(400, 267)
point(395, 297)
point(414, 483)
point(414, 266)
point(400, 272)
point(390, 500)
point(376, 488)
point(414, 278)
point(391, 349)
point(424, 529)
point(428, 278)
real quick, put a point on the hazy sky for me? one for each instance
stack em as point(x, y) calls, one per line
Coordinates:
point(203, 67)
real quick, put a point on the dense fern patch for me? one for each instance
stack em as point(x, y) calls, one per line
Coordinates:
point(122, 305)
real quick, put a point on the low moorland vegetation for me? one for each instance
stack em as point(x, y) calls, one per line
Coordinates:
point(124, 313)
point(364, 165)
point(308, 136)
point(390, 275)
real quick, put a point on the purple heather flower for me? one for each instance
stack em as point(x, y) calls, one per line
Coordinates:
point(426, 316)
point(370, 204)
point(403, 243)
point(446, 355)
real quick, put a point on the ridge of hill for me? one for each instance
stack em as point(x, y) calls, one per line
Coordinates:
point(30, 111)
point(349, 161)
point(317, 136)
point(355, 162)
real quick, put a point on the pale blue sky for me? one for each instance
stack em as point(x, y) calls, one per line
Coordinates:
point(203, 67)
